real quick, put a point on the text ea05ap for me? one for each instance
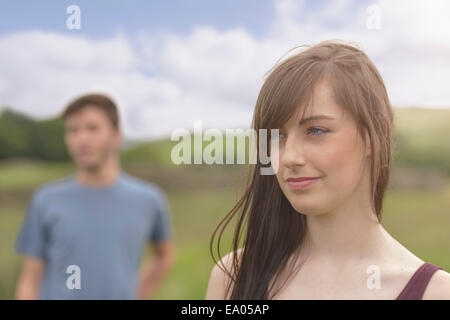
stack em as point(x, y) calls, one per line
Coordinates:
point(246, 309)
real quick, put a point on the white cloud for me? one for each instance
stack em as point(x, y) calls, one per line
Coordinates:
point(165, 81)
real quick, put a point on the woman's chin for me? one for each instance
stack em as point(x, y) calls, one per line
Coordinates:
point(308, 209)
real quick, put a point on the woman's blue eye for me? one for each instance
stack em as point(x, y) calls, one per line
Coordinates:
point(317, 130)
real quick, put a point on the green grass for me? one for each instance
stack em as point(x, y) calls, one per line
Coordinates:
point(23, 174)
point(420, 220)
point(10, 220)
point(422, 138)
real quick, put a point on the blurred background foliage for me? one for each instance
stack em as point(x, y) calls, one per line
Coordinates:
point(22, 136)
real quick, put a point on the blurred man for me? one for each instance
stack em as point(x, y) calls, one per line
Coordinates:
point(83, 236)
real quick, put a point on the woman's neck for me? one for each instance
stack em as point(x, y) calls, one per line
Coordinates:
point(347, 235)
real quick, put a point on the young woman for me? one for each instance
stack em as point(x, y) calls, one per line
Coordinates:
point(312, 230)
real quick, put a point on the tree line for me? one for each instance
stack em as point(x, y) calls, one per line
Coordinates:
point(21, 136)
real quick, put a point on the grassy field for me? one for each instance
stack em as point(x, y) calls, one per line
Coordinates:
point(416, 210)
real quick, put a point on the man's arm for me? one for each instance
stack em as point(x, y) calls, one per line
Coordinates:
point(161, 261)
point(29, 282)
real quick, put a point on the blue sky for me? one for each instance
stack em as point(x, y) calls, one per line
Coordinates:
point(101, 18)
point(170, 63)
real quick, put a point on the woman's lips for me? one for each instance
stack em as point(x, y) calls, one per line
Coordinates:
point(300, 183)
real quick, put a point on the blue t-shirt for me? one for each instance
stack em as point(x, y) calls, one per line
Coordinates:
point(94, 235)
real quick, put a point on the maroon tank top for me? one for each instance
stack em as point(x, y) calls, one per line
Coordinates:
point(416, 286)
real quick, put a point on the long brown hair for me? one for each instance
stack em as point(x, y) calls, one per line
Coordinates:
point(274, 231)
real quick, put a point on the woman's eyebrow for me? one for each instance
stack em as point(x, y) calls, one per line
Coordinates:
point(316, 117)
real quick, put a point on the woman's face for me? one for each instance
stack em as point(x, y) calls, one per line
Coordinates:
point(327, 148)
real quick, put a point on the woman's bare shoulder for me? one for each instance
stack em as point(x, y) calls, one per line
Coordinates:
point(404, 264)
point(219, 279)
point(439, 286)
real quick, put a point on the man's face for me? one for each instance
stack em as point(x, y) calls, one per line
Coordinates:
point(91, 138)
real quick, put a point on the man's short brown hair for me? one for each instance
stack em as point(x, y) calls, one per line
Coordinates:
point(97, 100)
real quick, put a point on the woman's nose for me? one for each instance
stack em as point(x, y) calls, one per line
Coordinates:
point(292, 153)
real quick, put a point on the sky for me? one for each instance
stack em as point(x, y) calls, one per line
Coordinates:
point(170, 63)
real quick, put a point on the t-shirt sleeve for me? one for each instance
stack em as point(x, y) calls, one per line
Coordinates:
point(31, 238)
point(161, 229)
